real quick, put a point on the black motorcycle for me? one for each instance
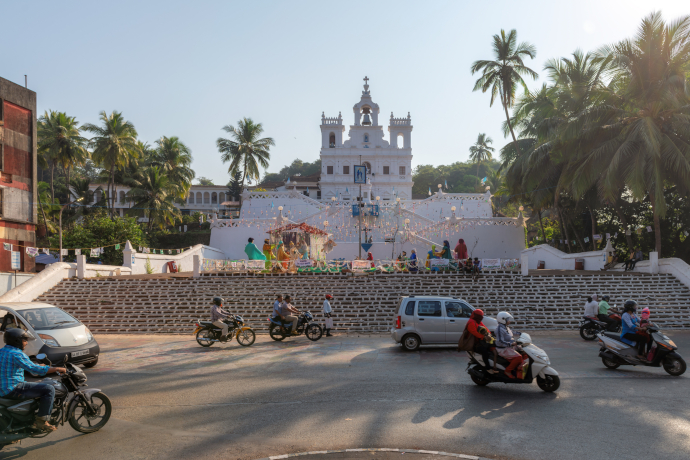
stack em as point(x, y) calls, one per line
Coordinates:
point(279, 329)
point(208, 333)
point(86, 411)
point(589, 328)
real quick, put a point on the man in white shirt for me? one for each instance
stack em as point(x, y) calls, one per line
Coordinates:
point(327, 310)
point(592, 308)
point(276, 305)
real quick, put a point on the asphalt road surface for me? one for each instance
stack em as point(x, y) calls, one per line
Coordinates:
point(173, 399)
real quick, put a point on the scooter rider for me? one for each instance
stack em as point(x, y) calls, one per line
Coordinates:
point(507, 346)
point(217, 315)
point(13, 363)
point(631, 332)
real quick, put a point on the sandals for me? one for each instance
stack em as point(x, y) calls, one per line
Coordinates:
point(492, 371)
point(43, 425)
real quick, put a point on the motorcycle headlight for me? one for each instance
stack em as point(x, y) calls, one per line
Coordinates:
point(49, 340)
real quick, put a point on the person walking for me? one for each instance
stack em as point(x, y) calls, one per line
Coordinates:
point(327, 313)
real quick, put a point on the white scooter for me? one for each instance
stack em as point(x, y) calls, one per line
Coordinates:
point(539, 366)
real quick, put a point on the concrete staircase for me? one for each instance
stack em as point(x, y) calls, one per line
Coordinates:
point(362, 303)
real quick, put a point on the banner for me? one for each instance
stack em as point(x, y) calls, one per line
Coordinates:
point(77, 252)
point(361, 264)
point(208, 265)
point(95, 252)
point(509, 264)
point(301, 263)
point(438, 262)
point(256, 265)
point(491, 264)
point(32, 252)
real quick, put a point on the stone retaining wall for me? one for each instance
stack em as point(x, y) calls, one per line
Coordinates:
point(363, 303)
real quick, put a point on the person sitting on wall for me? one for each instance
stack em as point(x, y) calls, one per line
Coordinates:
point(412, 264)
point(268, 252)
point(283, 256)
point(252, 251)
point(611, 261)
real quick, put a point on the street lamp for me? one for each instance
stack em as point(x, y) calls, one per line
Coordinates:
point(62, 209)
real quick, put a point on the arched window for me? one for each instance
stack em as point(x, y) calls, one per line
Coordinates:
point(198, 198)
point(122, 197)
point(214, 198)
point(331, 140)
point(190, 199)
point(207, 198)
point(400, 141)
point(221, 197)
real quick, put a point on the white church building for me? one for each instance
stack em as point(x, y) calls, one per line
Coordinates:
point(391, 220)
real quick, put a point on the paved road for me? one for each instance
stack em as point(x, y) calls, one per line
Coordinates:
point(173, 399)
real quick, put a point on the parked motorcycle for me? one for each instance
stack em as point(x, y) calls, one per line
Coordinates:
point(86, 411)
point(538, 366)
point(589, 327)
point(207, 333)
point(614, 352)
point(278, 329)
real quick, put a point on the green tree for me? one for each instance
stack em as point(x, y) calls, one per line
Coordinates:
point(235, 186)
point(204, 181)
point(60, 143)
point(114, 146)
point(481, 151)
point(175, 160)
point(97, 230)
point(246, 150)
point(503, 74)
point(154, 193)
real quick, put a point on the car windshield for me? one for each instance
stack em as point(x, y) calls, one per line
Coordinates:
point(48, 318)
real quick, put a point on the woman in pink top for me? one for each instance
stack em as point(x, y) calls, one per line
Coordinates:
point(461, 250)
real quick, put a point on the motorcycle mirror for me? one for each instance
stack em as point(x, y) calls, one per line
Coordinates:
point(41, 356)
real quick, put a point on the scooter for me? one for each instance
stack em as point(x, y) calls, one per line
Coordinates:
point(589, 327)
point(614, 352)
point(538, 366)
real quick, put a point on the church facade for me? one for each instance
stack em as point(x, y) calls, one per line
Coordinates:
point(388, 162)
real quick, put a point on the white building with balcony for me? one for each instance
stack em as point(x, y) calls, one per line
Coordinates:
point(388, 162)
point(201, 198)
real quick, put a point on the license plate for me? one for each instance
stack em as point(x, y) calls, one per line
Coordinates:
point(79, 353)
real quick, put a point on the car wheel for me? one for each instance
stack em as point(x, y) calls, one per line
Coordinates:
point(411, 342)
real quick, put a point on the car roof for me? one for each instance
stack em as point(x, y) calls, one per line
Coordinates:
point(26, 305)
point(431, 297)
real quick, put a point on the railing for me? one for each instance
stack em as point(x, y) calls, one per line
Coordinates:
point(355, 266)
point(400, 122)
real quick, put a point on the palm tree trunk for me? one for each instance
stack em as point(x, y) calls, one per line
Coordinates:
point(564, 229)
point(577, 237)
point(594, 227)
point(112, 187)
point(624, 221)
point(52, 189)
point(504, 100)
point(543, 234)
point(657, 224)
point(43, 211)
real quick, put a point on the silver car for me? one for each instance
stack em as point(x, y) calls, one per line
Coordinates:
point(430, 320)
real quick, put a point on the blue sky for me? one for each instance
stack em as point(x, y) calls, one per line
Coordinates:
point(187, 69)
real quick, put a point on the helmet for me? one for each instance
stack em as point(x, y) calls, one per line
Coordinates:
point(504, 317)
point(605, 298)
point(630, 305)
point(14, 337)
point(218, 300)
point(329, 297)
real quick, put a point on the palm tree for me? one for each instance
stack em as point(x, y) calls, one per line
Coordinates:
point(505, 72)
point(481, 151)
point(60, 143)
point(642, 140)
point(175, 159)
point(114, 146)
point(152, 192)
point(246, 151)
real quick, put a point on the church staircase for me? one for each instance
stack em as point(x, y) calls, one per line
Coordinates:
point(363, 303)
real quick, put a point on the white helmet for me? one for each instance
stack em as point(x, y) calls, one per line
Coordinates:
point(505, 316)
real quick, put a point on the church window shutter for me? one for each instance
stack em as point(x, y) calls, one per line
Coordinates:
point(329, 169)
point(402, 170)
point(346, 170)
point(386, 170)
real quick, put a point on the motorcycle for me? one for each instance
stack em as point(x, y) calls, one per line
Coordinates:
point(614, 352)
point(589, 327)
point(208, 333)
point(87, 411)
point(537, 365)
point(278, 329)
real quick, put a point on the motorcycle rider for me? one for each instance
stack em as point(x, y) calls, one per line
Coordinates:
point(507, 346)
point(591, 307)
point(13, 363)
point(276, 305)
point(631, 332)
point(217, 315)
point(604, 311)
point(286, 309)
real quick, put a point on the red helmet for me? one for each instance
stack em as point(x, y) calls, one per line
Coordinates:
point(329, 297)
